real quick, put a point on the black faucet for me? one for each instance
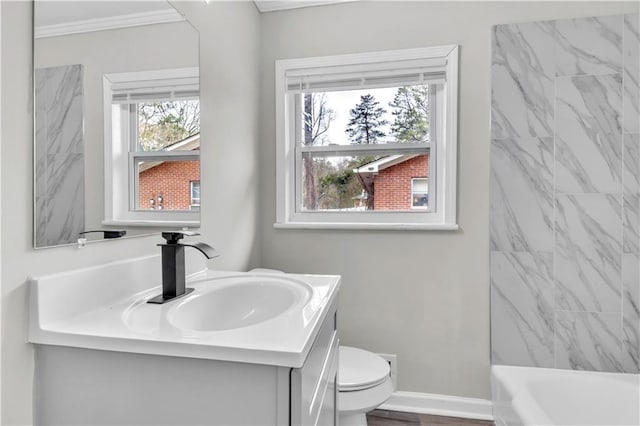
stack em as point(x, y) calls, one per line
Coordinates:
point(173, 269)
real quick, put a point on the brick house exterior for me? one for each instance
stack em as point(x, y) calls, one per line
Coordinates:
point(390, 180)
point(172, 180)
point(168, 183)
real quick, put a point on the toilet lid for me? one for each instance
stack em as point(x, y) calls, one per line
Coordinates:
point(359, 369)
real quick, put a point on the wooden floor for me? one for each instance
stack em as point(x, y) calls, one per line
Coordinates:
point(397, 418)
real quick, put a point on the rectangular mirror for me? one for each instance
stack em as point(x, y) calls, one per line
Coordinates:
point(116, 119)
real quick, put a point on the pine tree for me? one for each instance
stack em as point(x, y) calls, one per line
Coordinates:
point(366, 120)
point(411, 114)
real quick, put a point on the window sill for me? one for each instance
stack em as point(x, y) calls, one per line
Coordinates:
point(368, 226)
point(153, 223)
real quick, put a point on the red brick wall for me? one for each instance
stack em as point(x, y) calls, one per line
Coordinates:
point(392, 186)
point(173, 180)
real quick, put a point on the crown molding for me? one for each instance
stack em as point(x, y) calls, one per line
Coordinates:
point(276, 5)
point(110, 23)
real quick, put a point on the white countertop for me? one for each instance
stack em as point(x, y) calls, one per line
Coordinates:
point(90, 308)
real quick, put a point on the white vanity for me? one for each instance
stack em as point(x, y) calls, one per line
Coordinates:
point(241, 349)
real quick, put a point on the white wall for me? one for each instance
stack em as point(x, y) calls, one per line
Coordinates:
point(229, 97)
point(229, 79)
point(421, 295)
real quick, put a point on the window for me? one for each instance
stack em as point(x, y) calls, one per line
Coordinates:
point(420, 193)
point(367, 140)
point(195, 195)
point(152, 159)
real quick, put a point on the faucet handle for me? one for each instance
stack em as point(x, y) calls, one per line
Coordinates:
point(173, 237)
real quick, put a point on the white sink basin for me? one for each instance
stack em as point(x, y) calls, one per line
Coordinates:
point(221, 303)
point(234, 303)
point(246, 317)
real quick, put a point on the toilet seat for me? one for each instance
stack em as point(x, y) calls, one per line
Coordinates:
point(359, 369)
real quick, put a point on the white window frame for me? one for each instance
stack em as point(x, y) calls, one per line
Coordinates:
point(120, 191)
point(443, 150)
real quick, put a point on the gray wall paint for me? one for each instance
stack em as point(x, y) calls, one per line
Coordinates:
point(421, 295)
point(564, 194)
point(229, 71)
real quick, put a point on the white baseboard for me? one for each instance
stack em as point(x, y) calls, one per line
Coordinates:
point(439, 405)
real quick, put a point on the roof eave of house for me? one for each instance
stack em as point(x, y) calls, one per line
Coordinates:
point(376, 166)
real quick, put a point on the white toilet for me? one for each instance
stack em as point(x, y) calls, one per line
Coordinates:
point(364, 383)
point(364, 380)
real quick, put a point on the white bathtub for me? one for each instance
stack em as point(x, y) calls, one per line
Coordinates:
point(543, 396)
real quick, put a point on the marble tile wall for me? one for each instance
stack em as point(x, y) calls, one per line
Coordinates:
point(565, 194)
point(59, 155)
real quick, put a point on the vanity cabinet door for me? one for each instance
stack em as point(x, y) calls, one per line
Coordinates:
point(314, 386)
point(329, 410)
